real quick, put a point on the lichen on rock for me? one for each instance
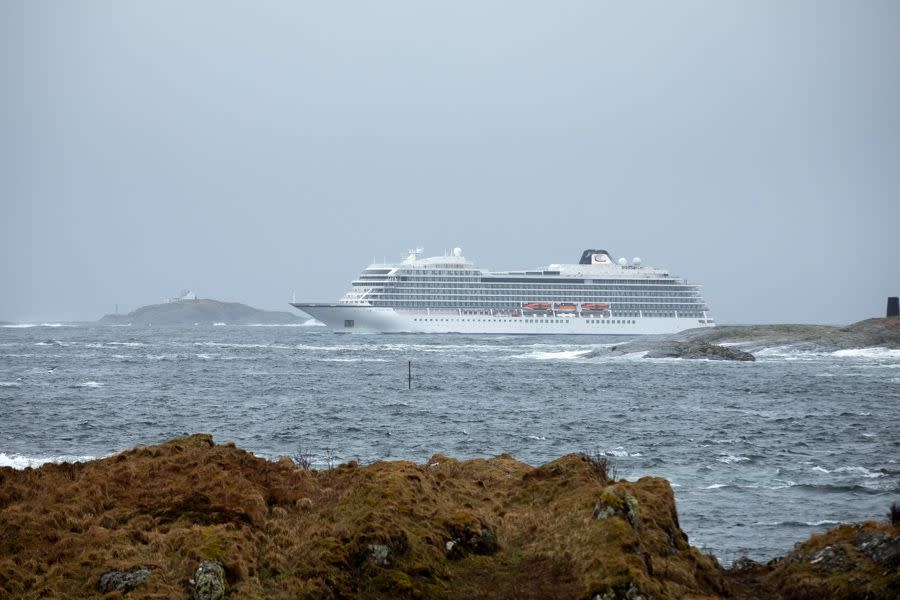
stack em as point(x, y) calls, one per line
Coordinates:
point(122, 581)
point(209, 581)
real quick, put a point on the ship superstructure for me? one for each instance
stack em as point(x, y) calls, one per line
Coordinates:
point(449, 294)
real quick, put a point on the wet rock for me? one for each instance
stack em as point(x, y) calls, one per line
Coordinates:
point(744, 564)
point(122, 581)
point(698, 350)
point(884, 549)
point(692, 349)
point(209, 581)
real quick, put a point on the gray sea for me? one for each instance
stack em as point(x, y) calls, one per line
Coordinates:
point(760, 455)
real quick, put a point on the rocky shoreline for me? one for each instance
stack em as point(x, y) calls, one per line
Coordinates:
point(738, 342)
point(870, 333)
point(190, 518)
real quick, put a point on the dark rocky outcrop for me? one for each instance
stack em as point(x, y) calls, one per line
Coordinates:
point(202, 312)
point(673, 349)
point(698, 349)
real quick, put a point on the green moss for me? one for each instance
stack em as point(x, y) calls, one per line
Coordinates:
point(213, 547)
point(610, 498)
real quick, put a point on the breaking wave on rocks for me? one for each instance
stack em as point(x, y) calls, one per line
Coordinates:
point(17, 461)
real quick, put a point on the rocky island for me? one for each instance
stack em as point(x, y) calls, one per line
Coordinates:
point(191, 518)
point(870, 333)
point(202, 312)
point(738, 342)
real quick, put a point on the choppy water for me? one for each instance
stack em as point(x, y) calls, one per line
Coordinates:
point(760, 454)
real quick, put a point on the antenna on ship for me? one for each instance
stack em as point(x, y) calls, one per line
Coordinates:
point(414, 253)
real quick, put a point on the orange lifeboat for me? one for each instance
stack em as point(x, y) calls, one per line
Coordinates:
point(594, 306)
point(536, 306)
point(565, 307)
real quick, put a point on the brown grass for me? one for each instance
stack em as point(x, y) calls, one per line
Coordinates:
point(281, 531)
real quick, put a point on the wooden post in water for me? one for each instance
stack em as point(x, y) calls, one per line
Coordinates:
point(409, 374)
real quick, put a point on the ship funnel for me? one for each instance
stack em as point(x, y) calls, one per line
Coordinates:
point(590, 257)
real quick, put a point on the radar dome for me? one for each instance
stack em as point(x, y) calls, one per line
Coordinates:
point(636, 262)
point(622, 262)
point(457, 252)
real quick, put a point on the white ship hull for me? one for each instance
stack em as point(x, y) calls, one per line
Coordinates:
point(343, 318)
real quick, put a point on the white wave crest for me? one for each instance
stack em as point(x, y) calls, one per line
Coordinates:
point(730, 458)
point(789, 352)
point(879, 353)
point(861, 471)
point(857, 470)
point(28, 325)
point(352, 360)
point(805, 523)
point(19, 462)
point(90, 384)
point(218, 324)
point(10, 384)
point(715, 486)
point(557, 355)
point(620, 452)
point(868, 353)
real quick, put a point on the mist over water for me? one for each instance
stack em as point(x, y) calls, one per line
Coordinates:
point(760, 454)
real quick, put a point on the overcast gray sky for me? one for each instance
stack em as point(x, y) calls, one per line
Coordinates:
point(250, 149)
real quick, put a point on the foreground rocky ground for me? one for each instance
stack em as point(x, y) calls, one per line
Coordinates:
point(191, 518)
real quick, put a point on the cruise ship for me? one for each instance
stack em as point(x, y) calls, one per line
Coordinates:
point(449, 294)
